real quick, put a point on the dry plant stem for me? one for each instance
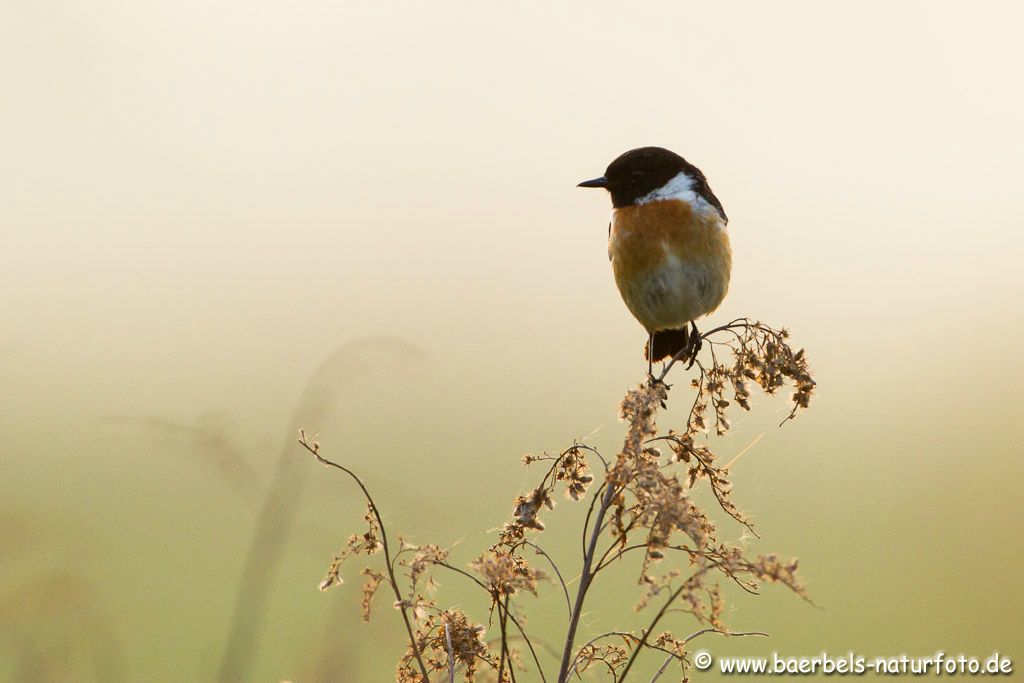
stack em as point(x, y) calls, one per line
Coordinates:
point(661, 669)
point(671, 655)
point(641, 494)
point(590, 511)
point(672, 361)
point(647, 631)
point(503, 621)
point(697, 634)
point(585, 578)
point(451, 653)
point(400, 601)
point(625, 635)
point(605, 561)
point(565, 589)
point(448, 639)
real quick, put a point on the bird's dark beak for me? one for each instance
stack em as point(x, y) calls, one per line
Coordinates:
point(596, 182)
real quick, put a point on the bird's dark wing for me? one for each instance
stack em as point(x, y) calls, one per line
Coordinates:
point(704, 190)
point(701, 187)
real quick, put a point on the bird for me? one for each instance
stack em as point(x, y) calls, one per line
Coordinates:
point(668, 245)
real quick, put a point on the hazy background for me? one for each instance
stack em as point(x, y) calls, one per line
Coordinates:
point(203, 202)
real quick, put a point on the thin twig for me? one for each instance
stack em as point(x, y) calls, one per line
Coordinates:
point(697, 634)
point(584, 447)
point(584, 646)
point(625, 635)
point(565, 589)
point(503, 622)
point(690, 637)
point(647, 632)
point(590, 511)
point(400, 601)
point(711, 472)
point(672, 361)
point(585, 579)
point(710, 557)
point(664, 665)
point(451, 653)
point(622, 534)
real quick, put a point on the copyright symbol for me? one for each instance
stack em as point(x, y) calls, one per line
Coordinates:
point(702, 660)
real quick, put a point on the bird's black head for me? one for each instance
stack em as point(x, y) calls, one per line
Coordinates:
point(640, 171)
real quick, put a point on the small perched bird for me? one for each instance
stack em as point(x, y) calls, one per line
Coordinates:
point(668, 245)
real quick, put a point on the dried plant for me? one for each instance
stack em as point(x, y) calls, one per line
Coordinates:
point(640, 504)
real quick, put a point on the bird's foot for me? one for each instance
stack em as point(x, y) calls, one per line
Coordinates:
point(694, 345)
point(653, 382)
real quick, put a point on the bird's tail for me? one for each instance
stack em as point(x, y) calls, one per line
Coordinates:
point(667, 343)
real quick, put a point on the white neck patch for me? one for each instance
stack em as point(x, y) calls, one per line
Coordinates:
point(679, 188)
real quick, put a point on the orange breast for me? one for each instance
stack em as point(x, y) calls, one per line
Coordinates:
point(671, 263)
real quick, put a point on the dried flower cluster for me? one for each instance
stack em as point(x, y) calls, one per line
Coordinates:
point(468, 650)
point(642, 503)
point(366, 543)
point(505, 573)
